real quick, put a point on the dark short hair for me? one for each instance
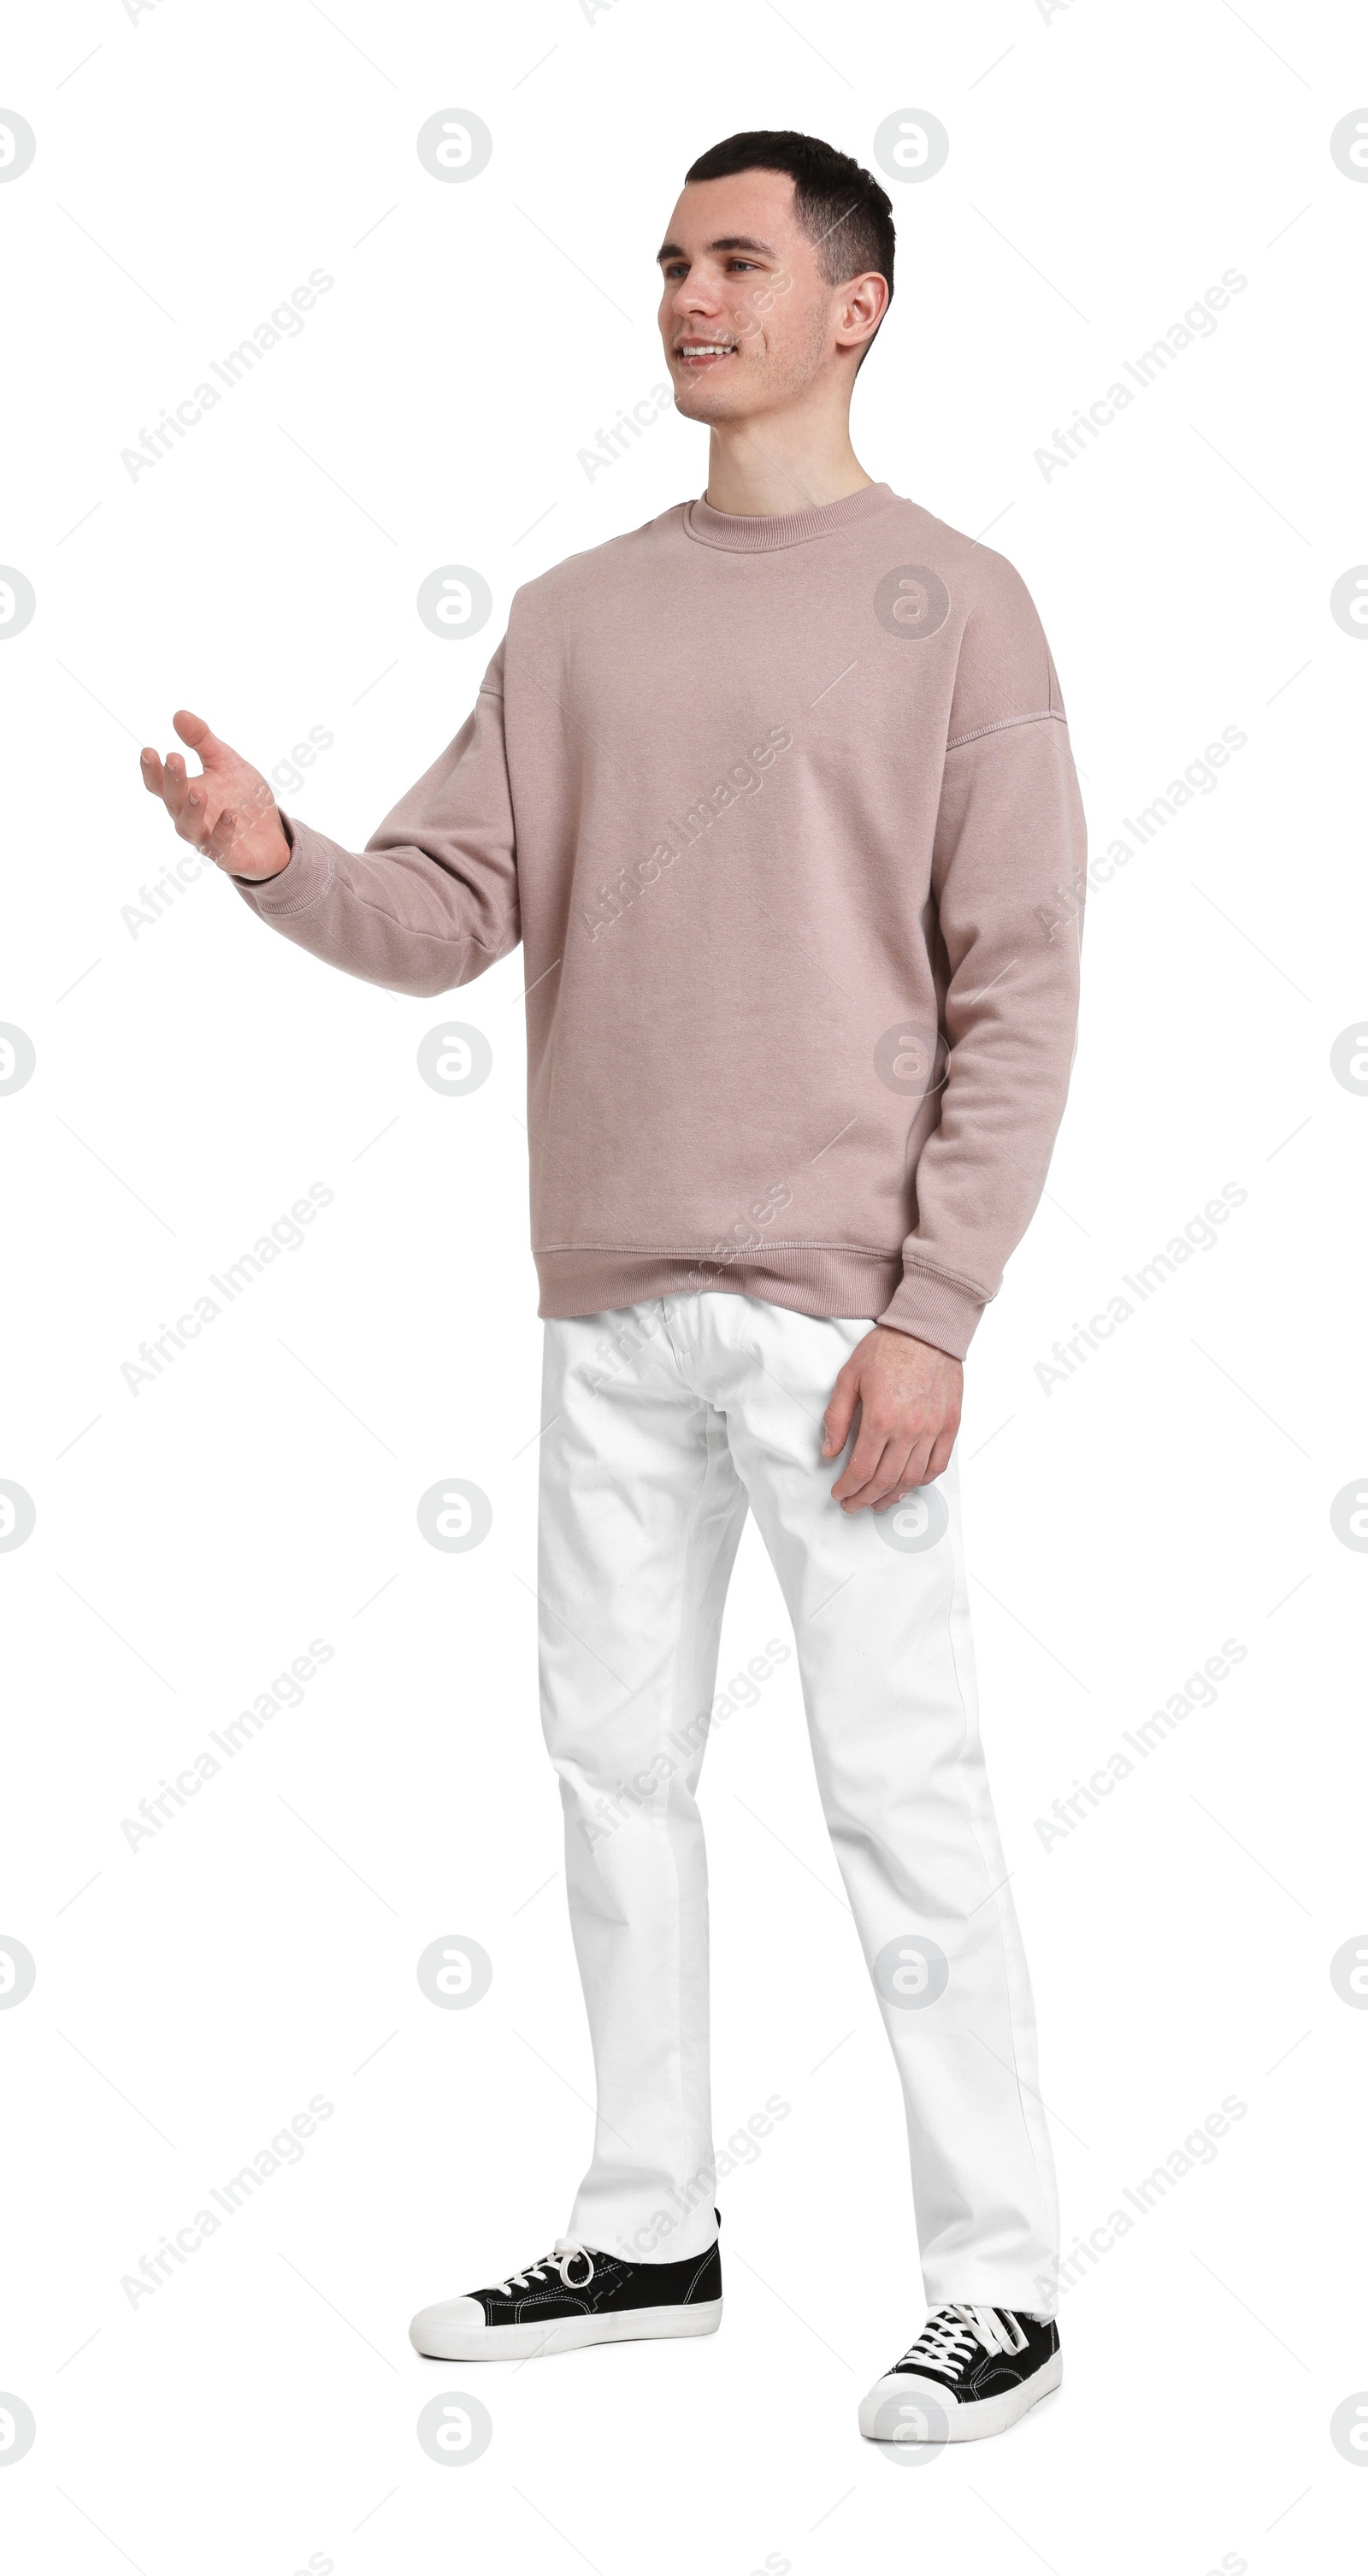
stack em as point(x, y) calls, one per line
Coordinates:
point(843, 211)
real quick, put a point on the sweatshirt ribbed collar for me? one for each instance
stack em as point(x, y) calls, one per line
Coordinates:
point(756, 535)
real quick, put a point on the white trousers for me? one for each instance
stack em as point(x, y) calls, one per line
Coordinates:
point(663, 1423)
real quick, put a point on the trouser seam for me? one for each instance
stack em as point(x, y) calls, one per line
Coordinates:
point(994, 1892)
point(688, 1607)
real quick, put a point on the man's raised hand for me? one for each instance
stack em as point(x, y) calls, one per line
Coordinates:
point(228, 812)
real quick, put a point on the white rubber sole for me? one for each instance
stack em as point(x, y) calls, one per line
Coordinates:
point(903, 2408)
point(562, 2334)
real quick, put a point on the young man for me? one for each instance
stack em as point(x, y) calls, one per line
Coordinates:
point(793, 795)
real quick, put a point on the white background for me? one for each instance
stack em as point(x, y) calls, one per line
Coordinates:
point(258, 2410)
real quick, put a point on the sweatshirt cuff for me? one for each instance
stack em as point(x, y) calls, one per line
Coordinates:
point(932, 1308)
point(300, 883)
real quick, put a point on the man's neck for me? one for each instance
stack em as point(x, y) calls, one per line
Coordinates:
point(767, 467)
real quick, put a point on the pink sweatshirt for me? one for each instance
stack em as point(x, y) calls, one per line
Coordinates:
point(781, 810)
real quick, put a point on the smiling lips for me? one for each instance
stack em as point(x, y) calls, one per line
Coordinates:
point(704, 353)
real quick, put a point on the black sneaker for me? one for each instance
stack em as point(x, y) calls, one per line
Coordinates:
point(575, 2295)
point(971, 2371)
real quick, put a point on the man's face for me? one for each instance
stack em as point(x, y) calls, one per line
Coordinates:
point(746, 317)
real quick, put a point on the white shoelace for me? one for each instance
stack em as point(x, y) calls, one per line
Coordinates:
point(947, 2339)
point(559, 2259)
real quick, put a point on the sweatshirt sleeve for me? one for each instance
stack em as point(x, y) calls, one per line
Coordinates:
point(433, 898)
point(1008, 877)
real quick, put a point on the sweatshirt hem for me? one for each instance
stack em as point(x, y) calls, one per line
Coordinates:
point(812, 1279)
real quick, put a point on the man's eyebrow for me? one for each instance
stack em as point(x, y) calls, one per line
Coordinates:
point(731, 241)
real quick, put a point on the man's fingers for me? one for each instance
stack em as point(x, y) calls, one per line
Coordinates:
point(198, 734)
point(174, 785)
point(187, 801)
point(915, 1470)
point(873, 1459)
point(876, 1488)
point(896, 1470)
point(864, 1458)
point(196, 803)
point(839, 1414)
point(195, 824)
point(885, 1465)
point(191, 819)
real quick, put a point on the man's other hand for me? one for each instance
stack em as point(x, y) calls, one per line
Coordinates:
point(228, 812)
point(909, 1396)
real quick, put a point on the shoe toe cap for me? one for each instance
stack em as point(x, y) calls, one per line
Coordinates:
point(433, 2326)
point(906, 2408)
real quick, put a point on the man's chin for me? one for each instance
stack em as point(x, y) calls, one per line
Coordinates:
point(697, 398)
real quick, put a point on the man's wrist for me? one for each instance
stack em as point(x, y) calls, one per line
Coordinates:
point(287, 838)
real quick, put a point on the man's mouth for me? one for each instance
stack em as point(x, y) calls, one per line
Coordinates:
point(704, 353)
